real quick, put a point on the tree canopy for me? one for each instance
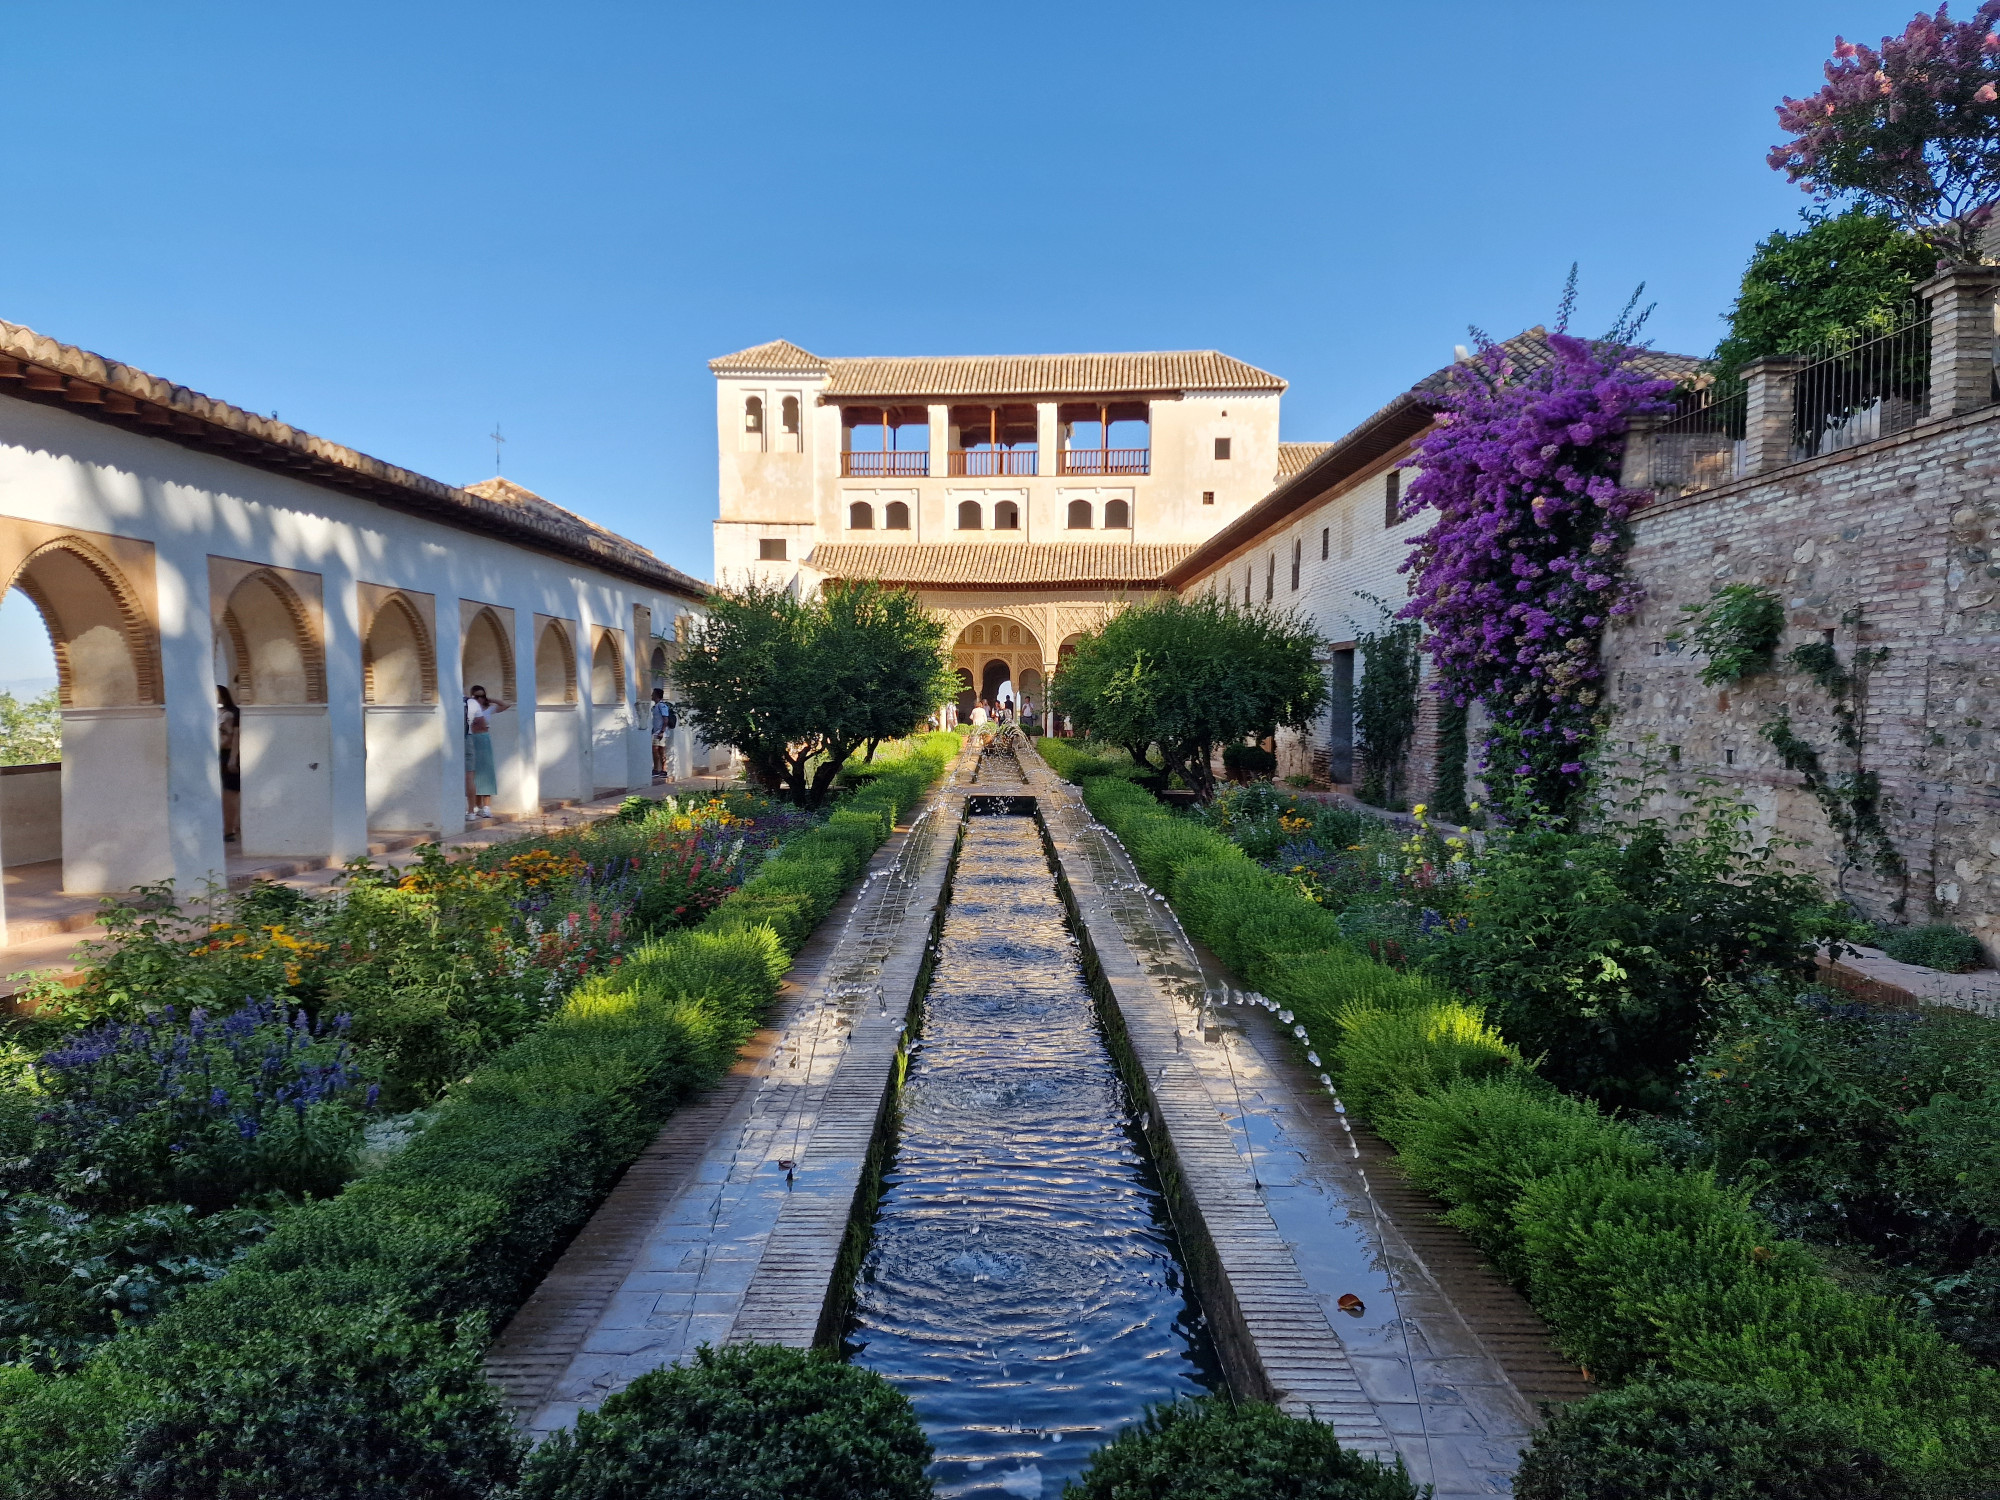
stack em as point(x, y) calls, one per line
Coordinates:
point(1843, 274)
point(799, 684)
point(1187, 675)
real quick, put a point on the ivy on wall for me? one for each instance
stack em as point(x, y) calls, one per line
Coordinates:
point(1448, 801)
point(1385, 706)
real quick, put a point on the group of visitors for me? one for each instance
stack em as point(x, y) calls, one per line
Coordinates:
point(1002, 710)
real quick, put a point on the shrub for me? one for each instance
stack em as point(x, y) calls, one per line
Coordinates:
point(1939, 946)
point(1479, 1145)
point(1249, 762)
point(1385, 1052)
point(1690, 1440)
point(1079, 761)
point(750, 1422)
point(1215, 1450)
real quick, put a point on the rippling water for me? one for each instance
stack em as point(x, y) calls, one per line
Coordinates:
point(1022, 1287)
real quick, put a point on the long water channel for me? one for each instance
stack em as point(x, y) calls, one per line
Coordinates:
point(1023, 1285)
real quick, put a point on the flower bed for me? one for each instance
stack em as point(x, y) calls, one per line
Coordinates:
point(1645, 1269)
point(341, 1355)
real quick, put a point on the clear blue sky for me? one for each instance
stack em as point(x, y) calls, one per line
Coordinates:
point(397, 224)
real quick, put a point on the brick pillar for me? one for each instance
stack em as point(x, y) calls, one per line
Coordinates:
point(1637, 473)
point(1767, 427)
point(1962, 320)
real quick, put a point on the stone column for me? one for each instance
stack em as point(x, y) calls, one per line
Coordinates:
point(940, 441)
point(1637, 470)
point(1767, 429)
point(1048, 438)
point(1962, 344)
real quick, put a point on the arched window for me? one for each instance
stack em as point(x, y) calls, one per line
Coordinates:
point(968, 515)
point(788, 413)
point(1006, 516)
point(896, 516)
point(861, 516)
point(753, 414)
point(1117, 515)
point(1079, 515)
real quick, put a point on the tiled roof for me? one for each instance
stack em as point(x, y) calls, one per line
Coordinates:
point(36, 368)
point(1530, 350)
point(776, 357)
point(505, 492)
point(1293, 457)
point(984, 564)
point(1047, 375)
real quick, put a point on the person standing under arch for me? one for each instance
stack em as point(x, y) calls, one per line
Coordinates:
point(663, 726)
point(481, 782)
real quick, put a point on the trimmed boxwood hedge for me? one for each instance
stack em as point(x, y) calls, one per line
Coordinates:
point(1215, 1449)
point(344, 1352)
point(1639, 1266)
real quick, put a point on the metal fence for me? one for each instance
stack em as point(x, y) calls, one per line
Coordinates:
point(1855, 390)
point(1701, 444)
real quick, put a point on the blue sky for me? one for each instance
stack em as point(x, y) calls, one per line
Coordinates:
point(399, 224)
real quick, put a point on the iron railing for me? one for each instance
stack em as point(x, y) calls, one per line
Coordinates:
point(1107, 460)
point(1855, 390)
point(971, 462)
point(1701, 444)
point(893, 465)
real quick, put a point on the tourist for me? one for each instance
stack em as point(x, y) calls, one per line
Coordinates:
point(229, 734)
point(480, 782)
point(663, 726)
point(979, 713)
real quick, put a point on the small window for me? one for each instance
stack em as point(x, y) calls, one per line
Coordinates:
point(896, 516)
point(1208, 497)
point(771, 549)
point(1270, 578)
point(969, 518)
point(1298, 556)
point(1392, 498)
point(1079, 515)
point(861, 516)
point(1117, 515)
point(1006, 516)
point(1222, 448)
point(788, 413)
point(753, 414)
point(1325, 543)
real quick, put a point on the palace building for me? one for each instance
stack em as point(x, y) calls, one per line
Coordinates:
point(1023, 496)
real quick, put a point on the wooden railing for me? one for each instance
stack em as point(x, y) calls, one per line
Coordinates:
point(966, 463)
point(1107, 460)
point(910, 465)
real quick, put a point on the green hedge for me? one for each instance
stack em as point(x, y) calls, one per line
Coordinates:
point(346, 1347)
point(1078, 760)
point(1640, 1267)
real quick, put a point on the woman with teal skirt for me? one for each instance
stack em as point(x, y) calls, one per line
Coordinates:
point(480, 784)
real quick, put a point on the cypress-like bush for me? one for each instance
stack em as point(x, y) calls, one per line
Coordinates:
point(1214, 1450)
point(750, 1422)
point(1690, 1440)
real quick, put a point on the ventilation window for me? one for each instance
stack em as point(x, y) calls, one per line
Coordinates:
point(1325, 543)
point(1079, 515)
point(1117, 515)
point(896, 516)
point(1208, 497)
point(753, 414)
point(771, 549)
point(861, 516)
point(1392, 498)
point(1298, 555)
point(969, 518)
point(788, 413)
point(1006, 516)
point(1222, 448)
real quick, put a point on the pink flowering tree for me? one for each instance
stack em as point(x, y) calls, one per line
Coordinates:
point(1525, 563)
point(1911, 129)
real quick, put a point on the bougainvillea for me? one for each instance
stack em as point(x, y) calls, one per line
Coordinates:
point(1911, 128)
point(1525, 562)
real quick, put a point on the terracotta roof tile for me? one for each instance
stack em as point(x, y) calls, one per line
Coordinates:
point(1069, 564)
point(1047, 374)
point(1293, 457)
point(776, 357)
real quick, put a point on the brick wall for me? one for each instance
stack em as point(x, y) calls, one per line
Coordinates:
point(1884, 546)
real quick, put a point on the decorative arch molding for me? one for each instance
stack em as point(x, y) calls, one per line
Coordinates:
point(234, 588)
point(493, 623)
point(555, 660)
point(607, 650)
point(384, 608)
point(120, 571)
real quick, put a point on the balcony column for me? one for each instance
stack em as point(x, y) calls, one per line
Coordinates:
point(1962, 342)
point(1768, 409)
point(1048, 438)
point(940, 440)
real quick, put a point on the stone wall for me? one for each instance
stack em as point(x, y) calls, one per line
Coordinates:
point(1884, 548)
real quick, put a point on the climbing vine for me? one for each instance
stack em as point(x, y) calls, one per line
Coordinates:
point(1385, 705)
point(1852, 802)
point(1525, 563)
point(1448, 781)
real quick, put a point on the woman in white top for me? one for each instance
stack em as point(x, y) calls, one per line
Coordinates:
point(480, 782)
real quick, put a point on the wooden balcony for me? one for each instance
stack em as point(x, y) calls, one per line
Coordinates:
point(899, 465)
point(1107, 460)
point(978, 462)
